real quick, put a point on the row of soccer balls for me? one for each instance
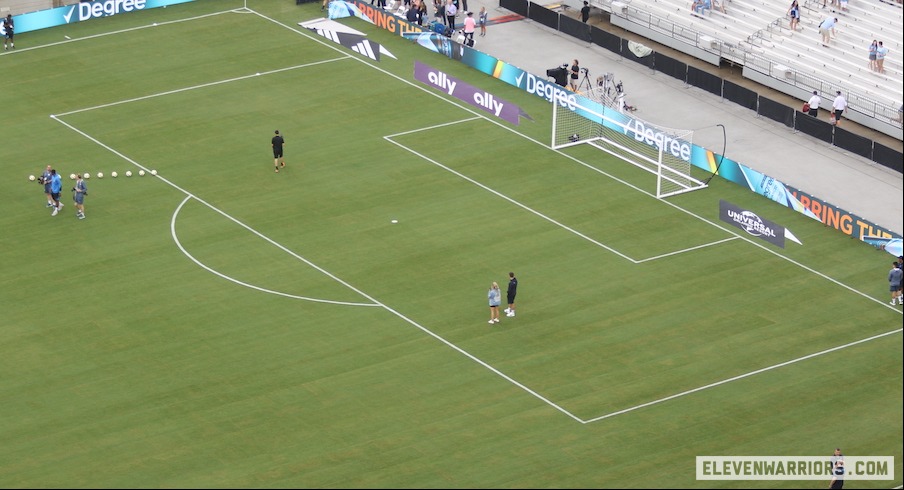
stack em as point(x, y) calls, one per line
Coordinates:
point(100, 175)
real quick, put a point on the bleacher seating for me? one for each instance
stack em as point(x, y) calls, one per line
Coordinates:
point(762, 27)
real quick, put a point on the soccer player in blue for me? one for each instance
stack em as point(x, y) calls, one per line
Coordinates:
point(56, 187)
point(45, 179)
point(78, 195)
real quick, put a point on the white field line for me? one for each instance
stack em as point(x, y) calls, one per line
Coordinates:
point(111, 33)
point(745, 375)
point(236, 281)
point(676, 252)
point(509, 199)
point(195, 87)
point(592, 168)
point(325, 272)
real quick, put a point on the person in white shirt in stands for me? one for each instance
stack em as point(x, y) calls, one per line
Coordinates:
point(838, 106)
point(814, 104)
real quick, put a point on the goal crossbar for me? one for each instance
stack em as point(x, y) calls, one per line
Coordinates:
point(661, 151)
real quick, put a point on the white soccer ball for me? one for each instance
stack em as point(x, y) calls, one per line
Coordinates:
point(153, 172)
point(87, 175)
point(128, 173)
point(72, 176)
point(100, 175)
point(114, 174)
point(141, 173)
point(31, 178)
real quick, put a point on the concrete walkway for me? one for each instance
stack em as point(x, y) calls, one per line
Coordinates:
point(848, 181)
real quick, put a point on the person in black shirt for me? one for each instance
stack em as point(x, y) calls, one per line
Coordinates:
point(277, 143)
point(510, 294)
point(8, 30)
point(585, 12)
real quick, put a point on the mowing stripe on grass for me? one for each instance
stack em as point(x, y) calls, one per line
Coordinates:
point(742, 376)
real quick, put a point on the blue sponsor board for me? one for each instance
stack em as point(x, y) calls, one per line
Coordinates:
point(82, 11)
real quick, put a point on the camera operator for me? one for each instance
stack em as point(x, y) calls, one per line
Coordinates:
point(575, 73)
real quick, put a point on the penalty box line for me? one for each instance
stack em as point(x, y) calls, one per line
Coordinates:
point(328, 274)
point(745, 375)
point(563, 226)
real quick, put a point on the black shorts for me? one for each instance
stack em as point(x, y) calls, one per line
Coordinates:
point(511, 299)
point(838, 114)
point(277, 152)
point(55, 196)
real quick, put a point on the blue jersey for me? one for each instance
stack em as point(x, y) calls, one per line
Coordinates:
point(493, 296)
point(56, 184)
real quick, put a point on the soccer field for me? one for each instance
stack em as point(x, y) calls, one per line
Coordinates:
point(222, 325)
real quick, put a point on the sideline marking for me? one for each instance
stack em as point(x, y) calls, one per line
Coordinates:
point(574, 159)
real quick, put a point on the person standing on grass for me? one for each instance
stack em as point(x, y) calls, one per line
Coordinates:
point(78, 195)
point(511, 293)
point(9, 28)
point(494, 297)
point(895, 275)
point(56, 187)
point(277, 143)
point(45, 178)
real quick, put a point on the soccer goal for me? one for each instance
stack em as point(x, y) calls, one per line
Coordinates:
point(662, 151)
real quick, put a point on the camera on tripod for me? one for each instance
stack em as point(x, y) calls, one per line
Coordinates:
point(585, 71)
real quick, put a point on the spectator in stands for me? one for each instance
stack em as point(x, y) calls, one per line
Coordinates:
point(843, 4)
point(421, 11)
point(827, 30)
point(881, 51)
point(794, 13)
point(450, 10)
point(872, 55)
point(699, 7)
point(838, 106)
point(814, 104)
point(585, 12)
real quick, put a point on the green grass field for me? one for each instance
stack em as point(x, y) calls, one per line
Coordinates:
point(221, 325)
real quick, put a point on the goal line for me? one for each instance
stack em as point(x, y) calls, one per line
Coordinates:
point(664, 152)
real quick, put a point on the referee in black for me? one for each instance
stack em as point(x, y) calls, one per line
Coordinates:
point(510, 294)
point(277, 143)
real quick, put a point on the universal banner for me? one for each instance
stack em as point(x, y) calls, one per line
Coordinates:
point(751, 223)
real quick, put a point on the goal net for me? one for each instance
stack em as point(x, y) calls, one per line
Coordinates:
point(664, 152)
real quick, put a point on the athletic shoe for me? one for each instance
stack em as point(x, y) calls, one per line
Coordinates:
point(495, 320)
point(50, 205)
point(510, 314)
point(491, 322)
point(61, 205)
point(507, 311)
point(282, 165)
point(55, 211)
point(276, 170)
point(81, 216)
point(892, 302)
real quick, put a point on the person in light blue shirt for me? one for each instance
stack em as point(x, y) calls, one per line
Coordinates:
point(827, 30)
point(56, 187)
point(494, 296)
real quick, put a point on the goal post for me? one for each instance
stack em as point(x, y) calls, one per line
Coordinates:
point(665, 152)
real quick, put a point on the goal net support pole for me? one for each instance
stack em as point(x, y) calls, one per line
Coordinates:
point(664, 152)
